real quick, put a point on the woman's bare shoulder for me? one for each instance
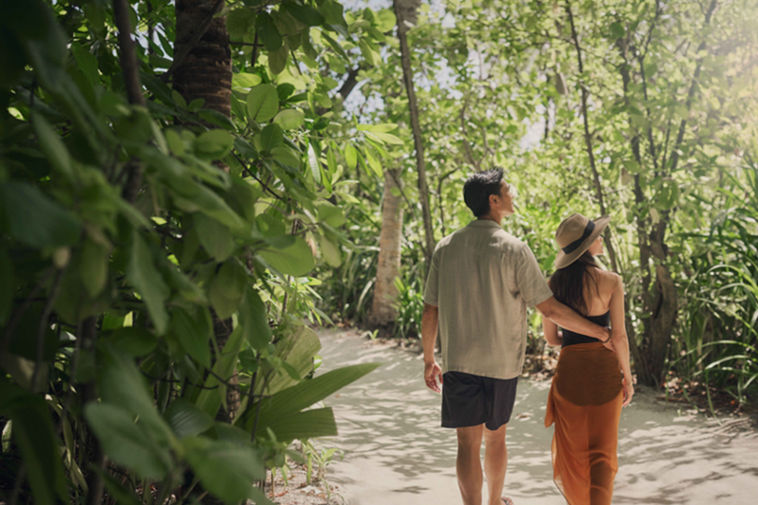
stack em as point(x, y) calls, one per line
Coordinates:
point(608, 281)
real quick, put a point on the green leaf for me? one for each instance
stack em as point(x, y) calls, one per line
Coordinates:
point(297, 349)
point(262, 103)
point(33, 219)
point(7, 285)
point(214, 237)
point(245, 80)
point(330, 251)
point(286, 156)
point(94, 267)
point(52, 146)
point(290, 119)
point(254, 321)
point(332, 12)
point(214, 144)
point(226, 289)
point(277, 60)
point(131, 341)
point(617, 30)
point(330, 214)
point(304, 13)
point(37, 442)
point(267, 32)
point(294, 259)
point(186, 419)
point(193, 331)
point(304, 425)
point(351, 156)
point(300, 396)
point(384, 138)
point(226, 469)
point(385, 20)
point(314, 164)
point(145, 278)
point(122, 384)
point(214, 392)
point(269, 138)
point(126, 442)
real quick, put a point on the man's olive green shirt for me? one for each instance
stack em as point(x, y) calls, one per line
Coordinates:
point(482, 278)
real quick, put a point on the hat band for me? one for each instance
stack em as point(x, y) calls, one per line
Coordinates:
point(576, 243)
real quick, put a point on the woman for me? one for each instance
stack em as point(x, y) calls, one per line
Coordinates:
point(588, 388)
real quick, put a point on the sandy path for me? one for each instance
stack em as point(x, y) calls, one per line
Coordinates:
point(396, 453)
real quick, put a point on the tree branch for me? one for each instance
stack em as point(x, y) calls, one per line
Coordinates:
point(588, 137)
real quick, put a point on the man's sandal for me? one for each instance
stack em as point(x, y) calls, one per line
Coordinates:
point(506, 501)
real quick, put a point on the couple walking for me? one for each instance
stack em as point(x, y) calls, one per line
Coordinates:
point(480, 282)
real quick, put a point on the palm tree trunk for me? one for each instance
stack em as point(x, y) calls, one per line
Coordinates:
point(383, 309)
point(202, 69)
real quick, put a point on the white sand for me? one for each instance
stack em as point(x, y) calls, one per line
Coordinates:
point(396, 453)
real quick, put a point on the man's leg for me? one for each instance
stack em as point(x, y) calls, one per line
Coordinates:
point(468, 464)
point(495, 462)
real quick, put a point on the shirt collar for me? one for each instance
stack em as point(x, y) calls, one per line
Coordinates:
point(484, 223)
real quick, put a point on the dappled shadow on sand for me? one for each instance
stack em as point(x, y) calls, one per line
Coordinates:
point(395, 451)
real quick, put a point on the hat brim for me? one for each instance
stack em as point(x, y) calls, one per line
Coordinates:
point(563, 260)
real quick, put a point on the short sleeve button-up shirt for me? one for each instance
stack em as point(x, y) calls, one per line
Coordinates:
point(482, 278)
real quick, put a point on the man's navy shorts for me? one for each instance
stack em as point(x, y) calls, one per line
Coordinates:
point(470, 400)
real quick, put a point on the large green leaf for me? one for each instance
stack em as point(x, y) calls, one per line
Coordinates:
point(226, 469)
point(123, 385)
point(305, 394)
point(52, 146)
point(186, 419)
point(254, 321)
point(290, 119)
point(304, 425)
point(145, 278)
point(32, 218)
point(214, 144)
point(35, 437)
point(293, 259)
point(193, 330)
point(304, 13)
point(214, 392)
point(131, 341)
point(214, 236)
point(267, 31)
point(127, 442)
point(297, 349)
point(226, 288)
point(262, 103)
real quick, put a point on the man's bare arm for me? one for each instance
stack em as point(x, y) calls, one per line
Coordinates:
point(429, 325)
point(568, 318)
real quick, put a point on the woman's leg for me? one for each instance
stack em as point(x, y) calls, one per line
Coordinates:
point(603, 441)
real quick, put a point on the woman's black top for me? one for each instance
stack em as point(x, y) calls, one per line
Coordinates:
point(570, 337)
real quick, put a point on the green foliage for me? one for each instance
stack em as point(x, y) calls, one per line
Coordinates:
point(156, 261)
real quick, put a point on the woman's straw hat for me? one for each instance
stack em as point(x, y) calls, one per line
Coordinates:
point(575, 235)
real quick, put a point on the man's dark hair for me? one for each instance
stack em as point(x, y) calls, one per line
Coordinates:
point(479, 187)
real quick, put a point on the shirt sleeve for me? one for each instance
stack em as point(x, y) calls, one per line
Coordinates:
point(531, 283)
point(432, 280)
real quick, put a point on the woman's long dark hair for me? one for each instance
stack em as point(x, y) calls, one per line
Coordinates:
point(567, 283)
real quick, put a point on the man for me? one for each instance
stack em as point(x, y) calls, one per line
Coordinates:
point(480, 282)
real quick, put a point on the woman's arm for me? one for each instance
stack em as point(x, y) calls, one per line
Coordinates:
point(550, 329)
point(619, 337)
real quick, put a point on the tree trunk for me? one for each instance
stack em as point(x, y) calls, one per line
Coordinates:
point(202, 69)
point(202, 65)
point(405, 11)
point(383, 309)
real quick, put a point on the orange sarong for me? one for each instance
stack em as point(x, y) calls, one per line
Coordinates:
point(585, 404)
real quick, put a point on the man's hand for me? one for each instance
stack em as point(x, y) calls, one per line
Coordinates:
point(628, 390)
point(433, 376)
